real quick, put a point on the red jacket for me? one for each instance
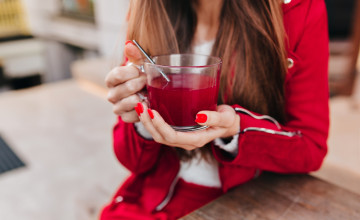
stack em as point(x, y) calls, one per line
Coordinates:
point(299, 146)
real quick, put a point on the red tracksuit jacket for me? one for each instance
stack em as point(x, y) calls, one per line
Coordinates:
point(299, 146)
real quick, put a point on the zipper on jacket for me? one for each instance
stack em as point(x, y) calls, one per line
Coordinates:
point(270, 131)
point(266, 130)
point(169, 195)
point(260, 117)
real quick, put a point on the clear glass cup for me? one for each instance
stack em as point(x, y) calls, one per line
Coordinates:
point(193, 87)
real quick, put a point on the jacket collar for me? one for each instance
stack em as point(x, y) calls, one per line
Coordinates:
point(289, 4)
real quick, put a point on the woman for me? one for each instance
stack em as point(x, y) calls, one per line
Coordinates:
point(273, 105)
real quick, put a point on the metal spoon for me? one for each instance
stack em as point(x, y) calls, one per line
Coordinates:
point(150, 60)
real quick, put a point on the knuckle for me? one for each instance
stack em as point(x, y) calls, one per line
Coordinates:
point(131, 71)
point(170, 139)
point(119, 77)
point(145, 123)
point(117, 70)
point(133, 100)
point(111, 97)
point(158, 139)
point(107, 80)
point(125, 119)
point(116, 110)
point(126, 102)
point(129, 117)
point(132, 68)
point(190, 147)
point(216, 120)
point(197, 145)
point(143, 79)
point(112, 75)
point(131, 87)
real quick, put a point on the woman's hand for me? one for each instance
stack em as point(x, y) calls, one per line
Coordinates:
point(123, 83)
point(222, 123)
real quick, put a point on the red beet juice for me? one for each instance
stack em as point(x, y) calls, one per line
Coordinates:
point(183, 97)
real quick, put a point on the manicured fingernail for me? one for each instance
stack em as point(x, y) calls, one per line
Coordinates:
point(140, 107)
point(201, 118)
point(151, 114)
point(137, 110)
point(129, 41)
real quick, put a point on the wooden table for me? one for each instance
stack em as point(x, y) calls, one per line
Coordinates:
point(274, 196)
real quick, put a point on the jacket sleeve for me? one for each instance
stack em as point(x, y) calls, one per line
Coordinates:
point(136, 153)
point(133, 151)
point(299, 145)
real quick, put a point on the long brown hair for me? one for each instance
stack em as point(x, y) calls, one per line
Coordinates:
point(250, 40)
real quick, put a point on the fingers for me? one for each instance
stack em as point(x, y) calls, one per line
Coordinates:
point(126, 105)
point(123, 82)
point(125, 109)
point(223, 117)
point(133, 53)
point(120, 75)
point(123, 73)
point(168, 134)
point(128, 88)
point(147, 122)
point(165, 134)
point(130, 117)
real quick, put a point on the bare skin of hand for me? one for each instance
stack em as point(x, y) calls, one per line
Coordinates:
point(224, 122)
point(123, 83)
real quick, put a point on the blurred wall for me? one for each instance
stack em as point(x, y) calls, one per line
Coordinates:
point(105, 35)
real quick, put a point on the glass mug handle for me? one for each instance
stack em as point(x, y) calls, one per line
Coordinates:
point(143, 93)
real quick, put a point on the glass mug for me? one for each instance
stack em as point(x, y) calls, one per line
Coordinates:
point(193, 87)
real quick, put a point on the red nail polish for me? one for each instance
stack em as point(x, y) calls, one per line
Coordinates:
point(129, 41)
point(137, 110)
point(151, 114)
point(201, 118)
point(140, 107)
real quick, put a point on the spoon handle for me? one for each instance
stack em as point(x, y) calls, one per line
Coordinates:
point(150, 60)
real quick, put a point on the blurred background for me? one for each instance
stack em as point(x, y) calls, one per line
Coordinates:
point(56, 159)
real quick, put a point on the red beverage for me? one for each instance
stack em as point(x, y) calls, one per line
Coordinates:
point(183, 97)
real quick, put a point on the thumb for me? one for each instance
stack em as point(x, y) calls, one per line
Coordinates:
point(133, 53)
point(223, 117)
